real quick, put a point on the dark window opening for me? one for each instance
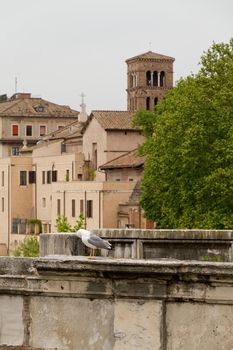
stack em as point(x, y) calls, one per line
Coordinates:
point(54, 176)
point(155, 101)
point(155, 79)
point(162, 79)
point(32, 177)
point(148, 103)
point(49, 177)
point(89, 209)
point(81, 206)
point(43, 177)
point(28, 130)
point(73, 208)
point(148, 78)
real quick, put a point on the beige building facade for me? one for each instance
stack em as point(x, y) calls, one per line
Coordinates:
point(56, 161)
point(25, 120)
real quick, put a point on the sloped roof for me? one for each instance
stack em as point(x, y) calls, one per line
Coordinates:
point(114, 120)
point(129, 160)
point(151, 55)
point(28, 107)
point(68, 131)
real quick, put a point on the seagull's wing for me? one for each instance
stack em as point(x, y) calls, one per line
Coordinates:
point(98, 242)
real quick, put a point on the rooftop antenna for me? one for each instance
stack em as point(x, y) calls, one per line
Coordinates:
point(16, 83)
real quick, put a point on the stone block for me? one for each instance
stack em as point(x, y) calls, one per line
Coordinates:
point(71, 323)
point(137, 325)
point(196, 326)
point(11, 320)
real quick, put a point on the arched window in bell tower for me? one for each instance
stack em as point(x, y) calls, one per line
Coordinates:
point(148, 103)
point(155, 79)
point(162, 79)
point(148, 78)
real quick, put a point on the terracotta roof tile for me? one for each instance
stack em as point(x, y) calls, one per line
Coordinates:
point(29, 107)
point(151, 55)
point(129, 160)
point(121, 120)
point(68, 131)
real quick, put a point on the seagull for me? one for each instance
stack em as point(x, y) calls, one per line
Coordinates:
point(92, 241)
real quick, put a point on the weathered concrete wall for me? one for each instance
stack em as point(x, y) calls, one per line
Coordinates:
point(204, 245)
point(74, 303)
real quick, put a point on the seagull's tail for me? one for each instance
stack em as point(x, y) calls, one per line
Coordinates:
point(108, 245)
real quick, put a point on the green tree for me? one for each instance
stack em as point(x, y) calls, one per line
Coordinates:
point(188, 177)
point(29, 247)
point(62, 224)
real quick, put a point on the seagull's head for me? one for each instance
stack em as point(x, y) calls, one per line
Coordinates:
point(80, 233)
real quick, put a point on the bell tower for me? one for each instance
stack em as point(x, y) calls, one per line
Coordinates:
point(150, 76)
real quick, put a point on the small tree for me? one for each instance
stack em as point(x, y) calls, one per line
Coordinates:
point(29, 247)
point(62, 224)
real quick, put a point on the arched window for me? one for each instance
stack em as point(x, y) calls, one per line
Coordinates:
point(148, 103)
point(131, 80)
point(155, 101)
point(162, 79)
point(148, 78)
point(155, 79)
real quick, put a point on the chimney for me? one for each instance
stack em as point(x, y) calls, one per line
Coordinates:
point(21, 96)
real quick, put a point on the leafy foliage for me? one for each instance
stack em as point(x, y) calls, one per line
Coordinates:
point(29, 247)
point(62, 224)
point(188, 178)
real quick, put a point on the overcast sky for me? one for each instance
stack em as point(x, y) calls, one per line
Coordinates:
point(61, 48)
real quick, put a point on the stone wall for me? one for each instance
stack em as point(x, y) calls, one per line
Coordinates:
point(204, 245)
point(80, 303)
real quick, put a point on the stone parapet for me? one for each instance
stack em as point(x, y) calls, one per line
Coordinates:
point(203, 245)
point(86, 303)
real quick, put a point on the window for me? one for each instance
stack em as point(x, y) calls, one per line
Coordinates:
point(15, 130)
point(81, 206)
point(162, 79)
point(3, 204)
point(89, 209)
point(58, 207)
point(31, 177)
point(94, 155)
point(155, 79)
point(28, 130)
point(148, 103)
point(54, 176)
point(44, 202)
point(60, 127)
point(73, 208)
point(23, 178)
point(3, 179)
point(155, 101)
point(148, 78)
point(39, 109)
point(42, 130)
point(43, 177)
point(67, 175)
point(49, 177)
point(15, 151)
